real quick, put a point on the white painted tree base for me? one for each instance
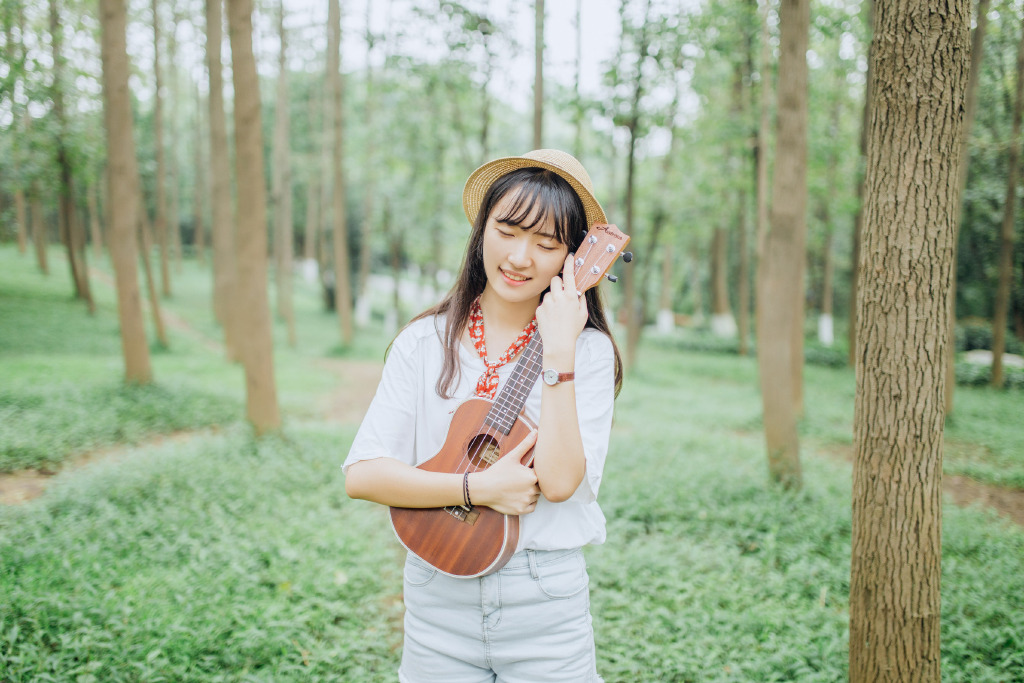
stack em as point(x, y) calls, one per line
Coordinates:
point(666, 322)
point(723, 325)
point(826, 333)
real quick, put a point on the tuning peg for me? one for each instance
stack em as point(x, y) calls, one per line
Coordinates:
point(611, 278)
point(627, 256)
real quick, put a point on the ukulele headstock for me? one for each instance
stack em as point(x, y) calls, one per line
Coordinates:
point(601, 246)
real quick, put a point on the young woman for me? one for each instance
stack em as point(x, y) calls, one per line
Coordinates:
point(530, 621)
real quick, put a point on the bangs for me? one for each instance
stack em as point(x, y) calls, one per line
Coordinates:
point(539, 194)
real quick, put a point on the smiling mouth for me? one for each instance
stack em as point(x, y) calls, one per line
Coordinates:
point(514, 277)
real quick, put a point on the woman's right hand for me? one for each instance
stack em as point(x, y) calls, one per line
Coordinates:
point(508, 486)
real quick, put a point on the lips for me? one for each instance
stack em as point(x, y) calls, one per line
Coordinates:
point(513, 278)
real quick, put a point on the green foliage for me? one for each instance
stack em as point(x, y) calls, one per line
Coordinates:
point(219, 559)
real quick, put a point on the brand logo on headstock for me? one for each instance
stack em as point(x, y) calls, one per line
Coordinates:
point(607, 229)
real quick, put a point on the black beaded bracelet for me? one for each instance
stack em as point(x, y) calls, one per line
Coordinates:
point(465, 490)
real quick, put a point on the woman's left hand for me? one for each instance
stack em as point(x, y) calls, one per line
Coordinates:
point(562, 314)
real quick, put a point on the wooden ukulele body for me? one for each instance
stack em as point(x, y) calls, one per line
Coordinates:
point(456, 541)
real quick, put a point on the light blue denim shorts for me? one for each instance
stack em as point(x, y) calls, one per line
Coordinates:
point(527, 623)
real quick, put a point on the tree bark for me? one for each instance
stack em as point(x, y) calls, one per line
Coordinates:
point(761, 188)
point(254, 333)
point(919, 77)
point(1007, 234)
point(780, 280)
point(970, 106)
point(342, 285)
point(538, 74)
point(123, 201)
point(223, 228)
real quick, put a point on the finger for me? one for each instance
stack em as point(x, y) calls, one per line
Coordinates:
point(526, 444)
point(569, 272)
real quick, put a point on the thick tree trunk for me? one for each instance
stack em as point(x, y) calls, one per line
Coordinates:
point(342, 285)
point(538, 74)
point(970, 106)
point(223, 228)
point(160, 218)
point(254, 333)
point(1008, 233)
point(123, 201)
point(919, 77)
point(283, 191)
point(780, 280)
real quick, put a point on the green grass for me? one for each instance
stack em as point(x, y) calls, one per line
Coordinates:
point(218, 557)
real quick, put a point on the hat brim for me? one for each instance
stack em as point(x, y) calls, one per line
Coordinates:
point(482, 178)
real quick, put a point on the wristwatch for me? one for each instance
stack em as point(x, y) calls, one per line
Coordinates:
point(553, 377)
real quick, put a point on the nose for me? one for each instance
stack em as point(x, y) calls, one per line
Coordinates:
point(519, 252)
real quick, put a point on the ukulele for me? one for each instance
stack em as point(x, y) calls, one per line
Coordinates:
point(474, 541)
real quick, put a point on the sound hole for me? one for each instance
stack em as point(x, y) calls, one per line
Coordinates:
point(483, 450)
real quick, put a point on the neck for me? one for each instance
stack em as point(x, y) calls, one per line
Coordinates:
point(507, 314)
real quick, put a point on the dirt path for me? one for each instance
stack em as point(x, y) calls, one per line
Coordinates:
point(964, 491)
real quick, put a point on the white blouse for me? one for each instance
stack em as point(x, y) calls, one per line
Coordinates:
point(408, 421)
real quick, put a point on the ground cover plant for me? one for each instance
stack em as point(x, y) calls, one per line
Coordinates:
point(218, 557)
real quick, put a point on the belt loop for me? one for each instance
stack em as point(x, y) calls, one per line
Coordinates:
point(532, 557)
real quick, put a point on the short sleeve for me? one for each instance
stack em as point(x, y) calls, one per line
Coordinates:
point(388, 429)
point(595, 402)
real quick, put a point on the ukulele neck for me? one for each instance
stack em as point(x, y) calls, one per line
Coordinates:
point(509, 403)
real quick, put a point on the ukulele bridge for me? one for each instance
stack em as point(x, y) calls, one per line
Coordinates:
point(463, 514)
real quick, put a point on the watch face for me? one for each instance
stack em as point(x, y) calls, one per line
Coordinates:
point(551, 377)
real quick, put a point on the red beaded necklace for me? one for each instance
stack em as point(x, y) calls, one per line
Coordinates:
point(487, 385)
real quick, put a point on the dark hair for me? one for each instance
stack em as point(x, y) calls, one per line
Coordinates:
point(536, 189)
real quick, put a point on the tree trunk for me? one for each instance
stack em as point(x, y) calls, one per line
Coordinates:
point(342, 285)
point(312, 219)
point(39, 229)
point(146, 255)
point(722, 322)
point(70, 229)
point(920, 69)
point(369, 186)
point(635, 315)
point(826, 333)
point(283, 191)
point(970, 106)
point(761, 160)
point(858, 221)
point(223, 228)
point(173, 166)
point(254, 333)
point(1007, 234)
point(538, 74)
point(160, 219)
point(577, 144)
point(199, 189)
point(95, 230)
point(780, 278)
point(123, 201)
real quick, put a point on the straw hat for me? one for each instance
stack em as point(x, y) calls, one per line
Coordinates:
point(562, 163)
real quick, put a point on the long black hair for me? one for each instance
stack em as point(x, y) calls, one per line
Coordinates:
point(538, 193)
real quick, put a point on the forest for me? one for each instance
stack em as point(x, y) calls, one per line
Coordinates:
point(214, 217)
